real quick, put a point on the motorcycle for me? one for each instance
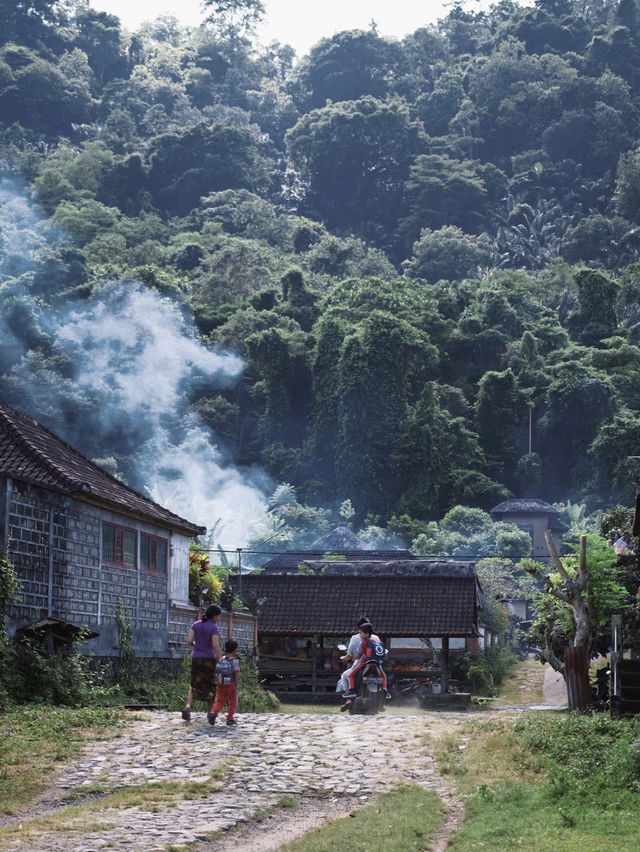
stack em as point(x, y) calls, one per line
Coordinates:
point(370, 696)
point(414, 693)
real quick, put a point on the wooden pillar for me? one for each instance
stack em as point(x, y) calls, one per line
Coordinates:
point(314, 678)
point(444, 680)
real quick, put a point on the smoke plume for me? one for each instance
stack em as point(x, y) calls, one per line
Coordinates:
point(111, 373)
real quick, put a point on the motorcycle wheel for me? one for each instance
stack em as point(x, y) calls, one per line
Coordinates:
point(372, 704)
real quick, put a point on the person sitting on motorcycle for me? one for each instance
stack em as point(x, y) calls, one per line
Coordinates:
point(353, 654)
point(371, 652)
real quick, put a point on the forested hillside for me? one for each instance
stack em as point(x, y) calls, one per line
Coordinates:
point(420, 248)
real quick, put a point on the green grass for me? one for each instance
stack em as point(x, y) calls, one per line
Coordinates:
point(402, 821)
point(81, 817)
point(545, 782)
point(524, 684)
point(34, 739)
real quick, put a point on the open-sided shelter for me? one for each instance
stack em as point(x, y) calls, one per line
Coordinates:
point(405, 599)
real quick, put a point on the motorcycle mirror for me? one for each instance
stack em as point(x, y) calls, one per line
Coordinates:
point(342, 647)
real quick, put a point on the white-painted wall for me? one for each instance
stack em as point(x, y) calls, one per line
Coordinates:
point(179, 571)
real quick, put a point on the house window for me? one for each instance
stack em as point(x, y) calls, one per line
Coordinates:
point(118, 545)
point(153, 554)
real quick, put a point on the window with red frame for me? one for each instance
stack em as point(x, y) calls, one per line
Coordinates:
point(153, 554)
point(118, 545)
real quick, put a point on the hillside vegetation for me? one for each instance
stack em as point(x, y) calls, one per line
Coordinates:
point(419, 247)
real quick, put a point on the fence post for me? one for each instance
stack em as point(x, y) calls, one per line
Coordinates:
point(577, 678)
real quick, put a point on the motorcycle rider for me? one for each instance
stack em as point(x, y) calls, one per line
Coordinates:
point(372, 651)
point(354, 650)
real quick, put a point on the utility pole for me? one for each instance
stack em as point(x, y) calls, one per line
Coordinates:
point(239, 572)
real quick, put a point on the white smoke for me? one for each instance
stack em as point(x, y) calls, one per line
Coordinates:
point(134, 360)
point(135, 351)
point(137, 348)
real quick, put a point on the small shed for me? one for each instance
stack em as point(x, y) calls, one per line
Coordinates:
point(432, 602)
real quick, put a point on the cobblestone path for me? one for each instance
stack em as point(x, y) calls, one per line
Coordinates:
point(317, 758)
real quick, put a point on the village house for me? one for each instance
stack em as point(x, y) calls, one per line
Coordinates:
point(535, 517)
point(83, 544)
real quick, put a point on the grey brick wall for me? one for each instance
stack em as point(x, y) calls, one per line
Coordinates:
point(119, 584)
point(180, 621)
point(153, 601)
point(29, 533)
point(55, 545)
point(76, 563)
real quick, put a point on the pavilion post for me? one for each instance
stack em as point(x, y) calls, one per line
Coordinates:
point(444, 680)
point(314, 677)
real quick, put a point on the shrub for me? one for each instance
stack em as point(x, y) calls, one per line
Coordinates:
point(485, 672)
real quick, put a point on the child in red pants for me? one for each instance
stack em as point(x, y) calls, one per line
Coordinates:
point(227, 670)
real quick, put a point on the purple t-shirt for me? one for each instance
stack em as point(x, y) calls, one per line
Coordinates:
point(203, 631)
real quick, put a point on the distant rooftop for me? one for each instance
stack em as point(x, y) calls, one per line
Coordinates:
point(339, 540)
point(525, 504)
point(532, 506)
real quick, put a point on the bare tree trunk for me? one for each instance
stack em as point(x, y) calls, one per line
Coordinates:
point(572, 589)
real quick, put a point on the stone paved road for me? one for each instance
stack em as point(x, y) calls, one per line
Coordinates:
point(267, 755)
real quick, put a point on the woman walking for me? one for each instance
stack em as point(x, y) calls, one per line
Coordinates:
point(204, 637)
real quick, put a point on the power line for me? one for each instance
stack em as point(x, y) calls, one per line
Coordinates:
point(431, 556)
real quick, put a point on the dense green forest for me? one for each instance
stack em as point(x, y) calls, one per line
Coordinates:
point(426, 251)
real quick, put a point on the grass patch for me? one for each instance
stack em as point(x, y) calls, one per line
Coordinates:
point(524, 684)
point(545, 782)
point(288, 800)
point(35, 738)
point(82, 817)
point(405, 819)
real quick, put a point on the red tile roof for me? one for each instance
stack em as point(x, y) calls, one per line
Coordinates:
point(397, 605)
point(33, 454)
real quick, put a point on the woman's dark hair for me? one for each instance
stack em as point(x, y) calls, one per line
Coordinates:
point(210, 611)
point(363, 620)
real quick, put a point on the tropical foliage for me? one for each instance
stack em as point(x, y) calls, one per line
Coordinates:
point(426, 250)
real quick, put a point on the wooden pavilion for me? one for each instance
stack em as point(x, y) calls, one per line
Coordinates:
point(300, 615)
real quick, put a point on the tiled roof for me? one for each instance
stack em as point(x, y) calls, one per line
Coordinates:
point(339, 540)
point(283, 562)
point(396, 605)
point(524, 505)
point(33, 454)
point(532, 506)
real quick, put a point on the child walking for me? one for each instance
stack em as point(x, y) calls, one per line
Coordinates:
point(227, 683)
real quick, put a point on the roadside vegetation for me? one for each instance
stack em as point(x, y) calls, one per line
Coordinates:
point(34, 740)
point(407, 818)
point(542, 783)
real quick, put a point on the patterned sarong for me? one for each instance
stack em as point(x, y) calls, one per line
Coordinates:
point(203, 678)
